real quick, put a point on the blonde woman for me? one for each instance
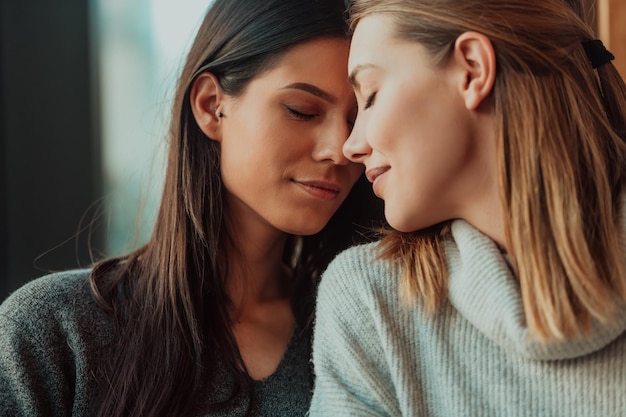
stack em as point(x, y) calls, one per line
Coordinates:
point(494, 131)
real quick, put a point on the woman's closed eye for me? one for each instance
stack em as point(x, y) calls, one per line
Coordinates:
point(370, 101)
point(300, 114)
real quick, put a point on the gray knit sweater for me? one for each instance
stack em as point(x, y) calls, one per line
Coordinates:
point(373, 357)
point(54, 338)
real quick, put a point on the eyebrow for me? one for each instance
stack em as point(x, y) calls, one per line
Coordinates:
point(316, 91)
point(352, 78)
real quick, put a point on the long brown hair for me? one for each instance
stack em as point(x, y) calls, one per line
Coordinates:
point(168, 299)
point(561, 157)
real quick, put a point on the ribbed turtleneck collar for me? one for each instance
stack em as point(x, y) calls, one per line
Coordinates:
point(483, 289)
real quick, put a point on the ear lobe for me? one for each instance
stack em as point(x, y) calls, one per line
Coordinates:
point(475, 54)
point(205, 98)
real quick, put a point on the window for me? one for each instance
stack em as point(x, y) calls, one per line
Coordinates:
point(142, 45)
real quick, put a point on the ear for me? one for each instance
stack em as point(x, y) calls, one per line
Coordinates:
point(475, 56)
point(205, 98)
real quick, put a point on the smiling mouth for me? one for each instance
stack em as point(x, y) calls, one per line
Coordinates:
point(374, 173)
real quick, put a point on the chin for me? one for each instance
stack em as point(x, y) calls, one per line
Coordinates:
point(306, 223)
point(308, 232)
point(397, 223)
point(406, 224)
point(303, 230)
point(401, 227)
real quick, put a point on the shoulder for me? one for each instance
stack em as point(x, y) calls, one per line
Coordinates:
point(60, 290)
point(53, 338)
point(362, 260)
point(358, 292)
point(51, 286)
point(359, 272)
point(51, 305)
point(357, 320)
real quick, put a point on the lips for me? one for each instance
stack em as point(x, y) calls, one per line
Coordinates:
point(323, 190)
point(374, 173)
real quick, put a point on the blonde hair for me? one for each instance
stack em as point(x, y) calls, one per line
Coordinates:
point(561, 157)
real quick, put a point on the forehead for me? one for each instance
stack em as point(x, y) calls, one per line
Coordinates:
point(372, 35)
point(315, 59)
point(315, 66)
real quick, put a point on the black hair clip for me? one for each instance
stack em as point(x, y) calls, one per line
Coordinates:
point(597, 53)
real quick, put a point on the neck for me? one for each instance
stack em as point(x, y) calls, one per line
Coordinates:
point(489, 219)
point(483, 208)
point(257, 273)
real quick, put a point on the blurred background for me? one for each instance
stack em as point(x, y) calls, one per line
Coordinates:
point(85, 90)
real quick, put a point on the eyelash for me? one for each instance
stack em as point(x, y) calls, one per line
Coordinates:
point(370, 101)
point(299, 115)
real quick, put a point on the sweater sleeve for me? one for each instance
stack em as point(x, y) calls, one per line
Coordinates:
point(37, 372)
point(351, 365)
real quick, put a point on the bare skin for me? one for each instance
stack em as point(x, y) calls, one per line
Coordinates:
point(262, 330)
point(263, 321)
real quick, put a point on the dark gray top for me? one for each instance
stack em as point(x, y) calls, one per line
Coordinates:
point(53, 337)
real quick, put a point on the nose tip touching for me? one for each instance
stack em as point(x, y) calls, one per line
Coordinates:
point(356, 147)
point(331, 146)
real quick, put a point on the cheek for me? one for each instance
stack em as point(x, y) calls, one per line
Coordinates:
point(419, 121)
point(393, 118)
point(231, 173)
point(235, 157)
point(244, 165)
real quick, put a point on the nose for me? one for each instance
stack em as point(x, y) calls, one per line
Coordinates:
point(330, 147)
point(356, 147)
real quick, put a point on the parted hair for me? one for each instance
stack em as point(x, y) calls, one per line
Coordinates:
point(561, 133)
point(168, 299)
